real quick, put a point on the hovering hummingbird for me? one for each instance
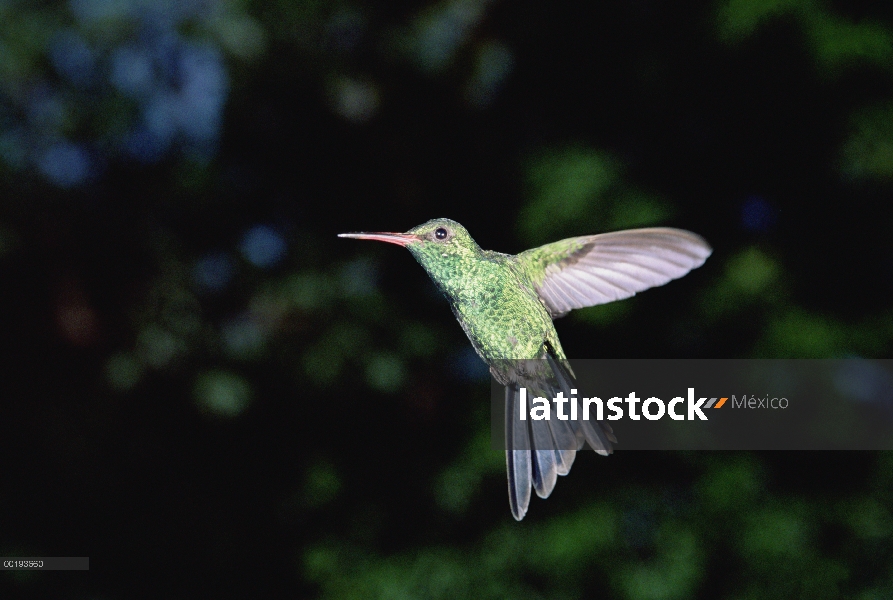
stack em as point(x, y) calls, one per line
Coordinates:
point(506, 305)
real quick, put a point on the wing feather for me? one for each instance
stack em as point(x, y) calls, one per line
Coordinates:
point(596, 269)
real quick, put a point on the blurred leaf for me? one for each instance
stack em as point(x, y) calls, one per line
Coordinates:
point(751, 277)
point(837, 43)
point(603, 314)
point(728, 486)
point(222, 393)
point(123, 371)
point(738, 19)
point(868, 153)
point(565, 186)
point(675, 571)
point(456, 486)
point(322, 484)
point(869, 518)
point(635, 209)
point(385, 372)
point(799, 334)
point(774, 534)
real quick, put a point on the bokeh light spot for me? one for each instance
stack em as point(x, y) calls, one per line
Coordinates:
point(132, 71)
point(752, 271)
point(322, 484)
point(222, 393)
point(65, 164)
point(213, 272)
point(123, 371)
point(441, 31)
point(73, 58)
point(203, 87)
point(866, 381)
point(354, 100)
point(99, 10)
point(263, 246)
point(494, 64)
point(870, 519)
point(758, 215)
point(358, 277)
point(385, 372)
point(158, 346)
point(243, 338)
point(14, 148)
point(562, 185)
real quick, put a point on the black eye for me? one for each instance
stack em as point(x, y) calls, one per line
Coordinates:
point(441, 233)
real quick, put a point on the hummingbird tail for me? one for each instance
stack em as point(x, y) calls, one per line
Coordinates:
point(539, 450)
point(517, 461)
point(599, 436)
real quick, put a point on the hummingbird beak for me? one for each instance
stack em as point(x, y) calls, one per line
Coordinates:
point(401, 239)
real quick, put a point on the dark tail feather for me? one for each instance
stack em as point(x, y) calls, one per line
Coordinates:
point(600, 436)
point(545, 462)
point(517, 461)
point(537, 451)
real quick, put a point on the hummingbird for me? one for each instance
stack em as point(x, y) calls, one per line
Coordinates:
point(506, 304)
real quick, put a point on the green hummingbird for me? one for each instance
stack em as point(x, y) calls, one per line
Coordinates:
point(506, 304)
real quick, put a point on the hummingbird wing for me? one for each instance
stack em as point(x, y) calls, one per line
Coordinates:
point(596, 269)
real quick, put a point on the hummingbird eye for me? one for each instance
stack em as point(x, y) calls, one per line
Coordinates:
point(441, 233)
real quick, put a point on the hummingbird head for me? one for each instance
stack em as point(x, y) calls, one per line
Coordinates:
point(436, 238)
point(442, 246)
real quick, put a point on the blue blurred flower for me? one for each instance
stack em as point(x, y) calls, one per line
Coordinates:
point(441, 32)
point(213, 272)
point(46, 111)
point(203, 89)
point(145, 146)
point(132, 71)
point(242, 337)
point(100, 10)
point(263, 246)
point(161, 116)
point(73, 58)
point(65, 164)
point(758, 214)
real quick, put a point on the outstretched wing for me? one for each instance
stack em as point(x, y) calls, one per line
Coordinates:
point(596, 269)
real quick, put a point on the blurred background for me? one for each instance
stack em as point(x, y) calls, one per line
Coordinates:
point(210, 395)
